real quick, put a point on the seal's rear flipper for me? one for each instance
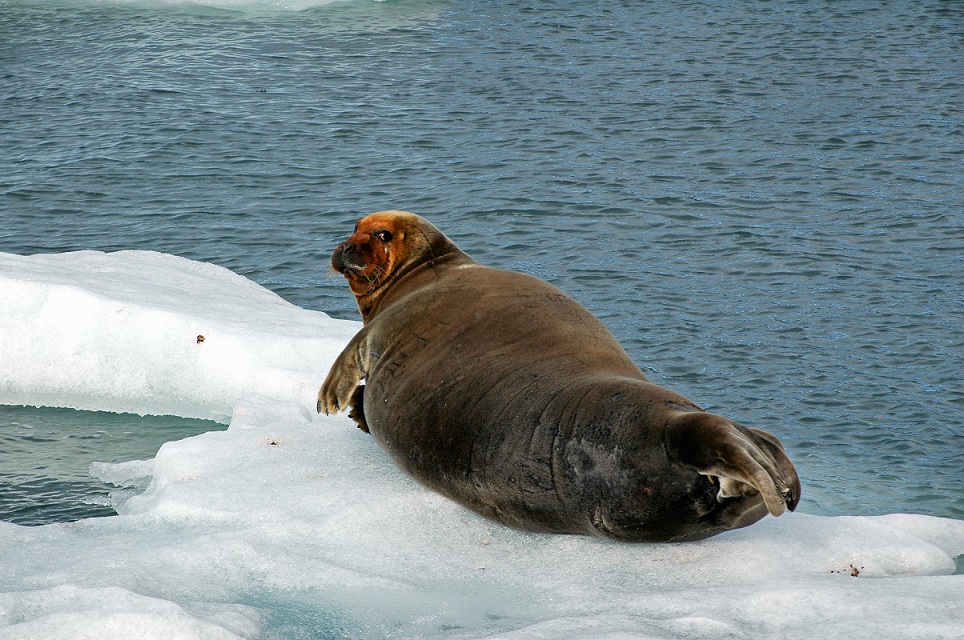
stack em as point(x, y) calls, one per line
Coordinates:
point(745, 462)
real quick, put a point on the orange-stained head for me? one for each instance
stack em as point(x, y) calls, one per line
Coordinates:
point(385, 246)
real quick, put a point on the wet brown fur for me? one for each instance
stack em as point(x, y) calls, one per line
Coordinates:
point(499, 391)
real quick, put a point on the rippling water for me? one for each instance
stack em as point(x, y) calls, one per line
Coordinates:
point(762, 201)
point(45, 457)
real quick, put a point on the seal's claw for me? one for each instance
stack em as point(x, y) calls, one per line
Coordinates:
point(790, 498)
point(328, 398)
point(357, 412)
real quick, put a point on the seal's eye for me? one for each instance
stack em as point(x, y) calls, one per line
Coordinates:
point(383, 235)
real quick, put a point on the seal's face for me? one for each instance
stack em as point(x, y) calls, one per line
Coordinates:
point(372, 253)
point(387, 249)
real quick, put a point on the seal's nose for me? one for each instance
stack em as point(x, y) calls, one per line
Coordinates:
point(337, 258)
point(347, 258)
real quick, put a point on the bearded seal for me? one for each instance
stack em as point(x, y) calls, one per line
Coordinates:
point(497, 390)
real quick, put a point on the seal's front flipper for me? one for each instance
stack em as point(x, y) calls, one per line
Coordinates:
point(746, 462)
point(357, 412)
point(350, 368)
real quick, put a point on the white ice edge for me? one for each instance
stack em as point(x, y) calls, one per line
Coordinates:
point(150, 333)
point(288, 523)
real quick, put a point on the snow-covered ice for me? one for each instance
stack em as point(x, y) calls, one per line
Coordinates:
point(294, 525)
point(150, 333)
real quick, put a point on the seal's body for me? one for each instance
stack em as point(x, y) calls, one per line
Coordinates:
point(497, 390)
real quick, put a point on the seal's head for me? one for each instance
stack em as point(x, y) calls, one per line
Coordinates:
point(384, 247)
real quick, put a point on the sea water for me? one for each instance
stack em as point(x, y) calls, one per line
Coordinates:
point(761, 201)
point(46, 453)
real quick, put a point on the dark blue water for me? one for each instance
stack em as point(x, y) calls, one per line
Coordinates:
point(762, 201)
